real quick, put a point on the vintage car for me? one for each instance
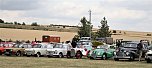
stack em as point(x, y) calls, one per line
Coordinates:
point(129, 51)
point(4, 45)
point(17, 49)
point(148, 56)
point(38, 49)
point(103, 51)
point(59, 50)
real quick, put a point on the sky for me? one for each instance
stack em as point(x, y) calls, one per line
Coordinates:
point(132, 15)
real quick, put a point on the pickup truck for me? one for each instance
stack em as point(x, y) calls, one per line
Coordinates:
point(39, 49)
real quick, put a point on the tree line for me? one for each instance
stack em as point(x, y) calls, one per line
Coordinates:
point(17, 23)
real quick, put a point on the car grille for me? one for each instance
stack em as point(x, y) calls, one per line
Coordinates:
point(51, 52)
point(149, 54)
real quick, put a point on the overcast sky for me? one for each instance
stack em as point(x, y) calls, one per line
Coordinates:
point(134, 15)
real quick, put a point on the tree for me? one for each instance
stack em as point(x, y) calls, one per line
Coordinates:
point(18, 23)
point(84, 30)
point(104, 29)
point(1, 21)
point(15, 23)
point(23, 23)
point(34, 24)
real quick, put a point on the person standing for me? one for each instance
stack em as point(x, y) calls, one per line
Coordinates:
point(69, 47)
point(140, 49)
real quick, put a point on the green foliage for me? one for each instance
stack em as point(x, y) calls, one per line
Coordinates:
point(15, 23)
point(76, 38)
point(84, 30)
point(34, 24)
point(96, 43)
point(23, 23)
point(104, 29)
point(1, 21)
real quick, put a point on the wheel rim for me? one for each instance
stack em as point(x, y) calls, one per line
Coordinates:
point(18, 54)
point(38, 55)
point(60, 55)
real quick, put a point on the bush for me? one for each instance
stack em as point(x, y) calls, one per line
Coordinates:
point(96, 43)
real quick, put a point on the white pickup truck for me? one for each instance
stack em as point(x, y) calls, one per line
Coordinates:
point(60, 50)
point(39, 49)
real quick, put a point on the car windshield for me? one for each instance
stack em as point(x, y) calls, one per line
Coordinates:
point(102, 47)
point(150, 47)
point(58, 46)
point(50, 46)
point(37, 46)
point(132, 45)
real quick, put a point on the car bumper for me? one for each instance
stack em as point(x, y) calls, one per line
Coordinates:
point(29, 53)
point(122, 57)
point(148, 57)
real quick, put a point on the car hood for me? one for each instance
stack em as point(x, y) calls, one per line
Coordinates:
point(31, 49)
point(129, 49)
point(149, 52)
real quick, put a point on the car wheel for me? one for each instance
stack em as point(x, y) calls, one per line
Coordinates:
point(78, 55)
point(148, 61)
point(38, 54)
point(116, 59)
point(1, 53)
point(131, 57)
point(28, 55)
point(104, 56)
point(18, 53)
point(60, 55)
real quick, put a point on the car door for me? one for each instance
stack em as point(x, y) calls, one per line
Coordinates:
point(64, 48)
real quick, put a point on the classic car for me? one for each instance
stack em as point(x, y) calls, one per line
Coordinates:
point(59, 50)
point(17, 49)
point(148, 56)
point(38, 49)
point(129, 51)
point(104, 52)
point(4, 45)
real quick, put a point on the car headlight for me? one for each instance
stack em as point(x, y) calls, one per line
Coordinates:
point(114, 53)
point(127, 53)
point(55, 52)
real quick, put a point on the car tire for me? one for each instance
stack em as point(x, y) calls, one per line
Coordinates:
point(104, 56)
point(132, 57)
point(148, 61)
point(38, 54)
point(1, 53)
point(18, 53)
point(116, 59)
point(78, 55)
point(60, 55)
point(28, 55)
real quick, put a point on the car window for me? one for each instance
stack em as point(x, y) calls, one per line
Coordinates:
point(37, 46)
point(130, 45)
point(58, 46)
point(150, 47)
point(112, 47)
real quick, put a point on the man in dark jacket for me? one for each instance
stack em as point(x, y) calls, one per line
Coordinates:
point(140, 49)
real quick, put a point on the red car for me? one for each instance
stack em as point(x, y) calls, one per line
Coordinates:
point(4, 45)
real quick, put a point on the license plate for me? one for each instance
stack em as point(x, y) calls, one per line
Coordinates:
point(7, 53)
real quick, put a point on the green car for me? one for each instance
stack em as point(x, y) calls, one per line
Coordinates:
point(103, 52)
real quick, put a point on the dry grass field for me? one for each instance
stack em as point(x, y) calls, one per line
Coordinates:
point(44, 62)
point(22, 34)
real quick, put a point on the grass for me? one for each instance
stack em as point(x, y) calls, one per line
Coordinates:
point(44, 62)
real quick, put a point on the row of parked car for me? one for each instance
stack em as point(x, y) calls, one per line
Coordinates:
point(127, 50)
point(43, 49)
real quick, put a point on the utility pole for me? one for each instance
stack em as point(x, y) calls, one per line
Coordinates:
point(90, 22)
